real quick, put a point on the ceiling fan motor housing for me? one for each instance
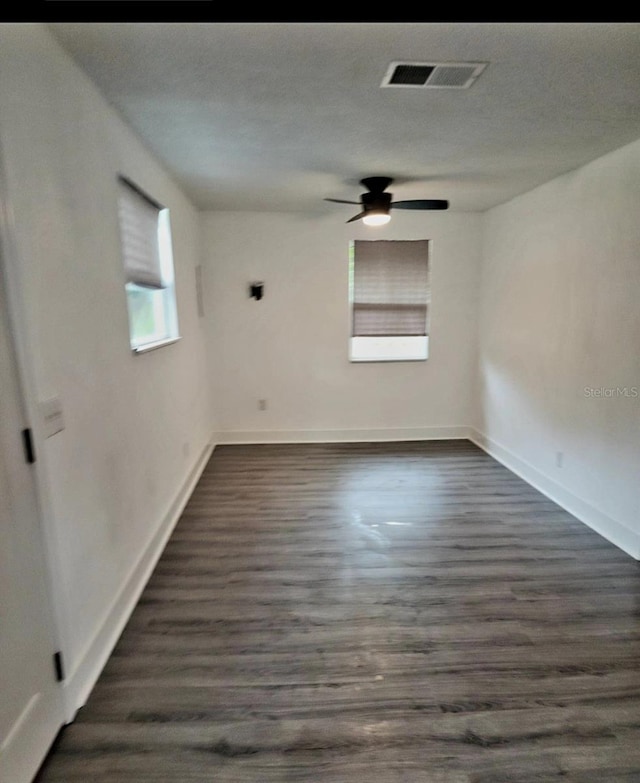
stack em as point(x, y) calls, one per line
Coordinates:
point(380, 201)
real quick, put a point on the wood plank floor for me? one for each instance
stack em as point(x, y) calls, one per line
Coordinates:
point(381, 613)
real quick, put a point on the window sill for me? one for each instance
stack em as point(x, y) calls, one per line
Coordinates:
point(355, 360)
point(153, 346)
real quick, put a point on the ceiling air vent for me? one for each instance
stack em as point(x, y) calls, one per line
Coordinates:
point(456, 76)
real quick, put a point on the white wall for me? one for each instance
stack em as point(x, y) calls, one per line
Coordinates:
point(560, 314)
point(291, 347)
point(136, 426)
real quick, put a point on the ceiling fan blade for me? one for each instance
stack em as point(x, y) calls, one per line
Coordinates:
point(340, 201)
point(423, 203)
point(356, 217)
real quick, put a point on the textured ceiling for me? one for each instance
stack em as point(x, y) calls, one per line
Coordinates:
point(277, 116)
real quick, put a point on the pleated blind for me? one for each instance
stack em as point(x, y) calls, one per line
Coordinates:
point(139, 237)
point(391, 288)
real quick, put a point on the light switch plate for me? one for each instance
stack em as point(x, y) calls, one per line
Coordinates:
point(52, 418)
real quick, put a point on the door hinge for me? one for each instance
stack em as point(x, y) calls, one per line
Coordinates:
point(58, 666)
point(27, 442)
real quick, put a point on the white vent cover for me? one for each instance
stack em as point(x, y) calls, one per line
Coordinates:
point(456, 76)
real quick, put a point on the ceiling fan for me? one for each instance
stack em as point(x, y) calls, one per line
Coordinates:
point(376, 203)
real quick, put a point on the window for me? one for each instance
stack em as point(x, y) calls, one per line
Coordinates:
point(389, 293)
point(148, 264)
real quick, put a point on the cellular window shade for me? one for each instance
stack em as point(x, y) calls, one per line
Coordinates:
point(391, 288)
point(139, 237)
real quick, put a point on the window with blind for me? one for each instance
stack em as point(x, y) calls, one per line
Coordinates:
point(147, 256)
point(390, 294)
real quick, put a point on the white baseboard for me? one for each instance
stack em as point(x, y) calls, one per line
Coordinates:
point(615, 532)
point(79, 682)
point(235, 437)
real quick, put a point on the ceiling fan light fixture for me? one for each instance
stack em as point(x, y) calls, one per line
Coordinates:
point(377, 202)
point(376, 217)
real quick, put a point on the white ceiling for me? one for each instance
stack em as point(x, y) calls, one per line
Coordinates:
point(277, 116)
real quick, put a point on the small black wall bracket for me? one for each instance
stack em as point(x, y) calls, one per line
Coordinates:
point(256, 290)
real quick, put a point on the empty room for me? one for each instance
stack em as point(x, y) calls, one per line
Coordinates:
point(320, 403)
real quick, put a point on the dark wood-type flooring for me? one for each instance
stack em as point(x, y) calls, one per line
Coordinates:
point(374, 613)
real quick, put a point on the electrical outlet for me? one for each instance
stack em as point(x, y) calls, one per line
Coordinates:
point(559, 459)
point(262, 405)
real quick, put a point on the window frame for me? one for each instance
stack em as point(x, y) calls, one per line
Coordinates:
point(162, 300)
point(387, 348)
